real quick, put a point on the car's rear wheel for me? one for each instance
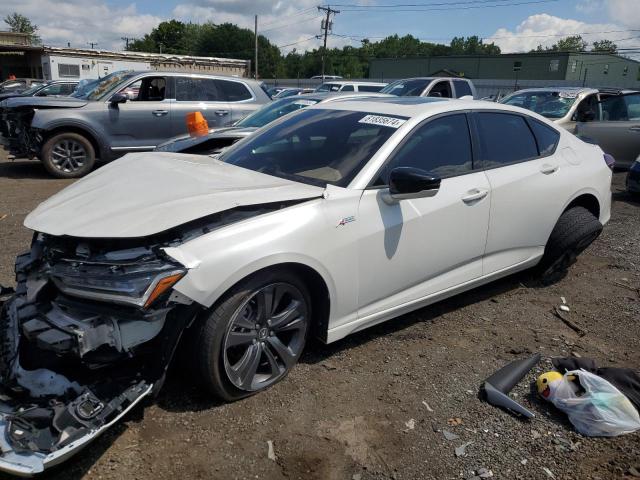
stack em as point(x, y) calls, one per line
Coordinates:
point(575, 230)
point(254, 336)
point(68, 155)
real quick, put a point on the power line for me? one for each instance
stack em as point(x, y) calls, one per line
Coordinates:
point(363, 8)
point(315, 17)
point(430, 4)
point(294, 14)
point(316, 37)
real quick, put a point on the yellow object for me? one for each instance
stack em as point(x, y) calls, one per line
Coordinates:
point(163, 285)
point(545, 382)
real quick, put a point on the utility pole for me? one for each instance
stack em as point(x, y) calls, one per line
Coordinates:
point(326, 26)
point(92, 44)
point(126, 41)
point(256, 47)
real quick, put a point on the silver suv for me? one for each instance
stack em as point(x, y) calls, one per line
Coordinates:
point(432, 87)
point(124, 112)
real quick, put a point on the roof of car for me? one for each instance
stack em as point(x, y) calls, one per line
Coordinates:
point(574, 90)
point(410, 107)
point(349, 82)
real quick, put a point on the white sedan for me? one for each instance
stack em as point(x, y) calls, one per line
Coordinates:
point(325, 222)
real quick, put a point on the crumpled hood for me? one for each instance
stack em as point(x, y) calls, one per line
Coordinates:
point(44, 102)
point(146, 193)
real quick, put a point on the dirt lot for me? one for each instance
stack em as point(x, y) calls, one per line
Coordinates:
point(374, 405)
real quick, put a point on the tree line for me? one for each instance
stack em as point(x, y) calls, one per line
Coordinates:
point(229, 40)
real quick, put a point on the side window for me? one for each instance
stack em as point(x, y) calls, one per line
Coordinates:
point(197, 90)
point(441, 146)
point(633, 106)
point(347, 88)
point(68, 88)
point(151, 89)
point(50, 90)
point(369, 88)
point(621, 108)
point(462, 88)
point(504, 139)
point(546, 137)
point(441, 89)
point(233, 91)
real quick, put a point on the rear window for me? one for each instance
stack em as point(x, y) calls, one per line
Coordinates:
point(546, 137)
point(317, 147)
point(505, 139)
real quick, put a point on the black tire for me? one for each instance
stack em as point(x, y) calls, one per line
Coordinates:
point(575, 230)
point(79, 162)
point(211, 332)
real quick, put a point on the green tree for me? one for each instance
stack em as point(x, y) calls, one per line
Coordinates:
point(21, 24)
point(170, 37)
point(573, 43)
point(473, 45)
point(606, 46)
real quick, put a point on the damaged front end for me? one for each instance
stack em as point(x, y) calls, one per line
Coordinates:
point(21, 140)
point(87, 335)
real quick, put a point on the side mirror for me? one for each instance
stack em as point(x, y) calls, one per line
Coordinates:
point(41, 94)
point(588, 116)
point(408, 182)
point(118, 98)
point(434, 94)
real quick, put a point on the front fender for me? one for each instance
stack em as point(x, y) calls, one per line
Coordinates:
point(48, 121)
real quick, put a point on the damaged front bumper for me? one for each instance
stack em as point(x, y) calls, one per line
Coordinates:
point(71, 366)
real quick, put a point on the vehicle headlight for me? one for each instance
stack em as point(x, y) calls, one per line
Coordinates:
point(139, 284)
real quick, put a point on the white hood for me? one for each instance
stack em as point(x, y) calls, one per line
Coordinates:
point(146, 193)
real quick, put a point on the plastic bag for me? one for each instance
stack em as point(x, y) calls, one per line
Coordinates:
point(600, 411)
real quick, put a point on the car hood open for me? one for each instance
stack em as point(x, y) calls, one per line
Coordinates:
point(44, 102)
point(146, 193)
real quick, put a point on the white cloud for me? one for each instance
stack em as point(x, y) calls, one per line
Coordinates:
point(545, 30)
point(82, 21)
point(627, 12)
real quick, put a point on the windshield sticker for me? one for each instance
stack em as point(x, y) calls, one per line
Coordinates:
point(382, 121)
point(306, 103)
point(568, 95)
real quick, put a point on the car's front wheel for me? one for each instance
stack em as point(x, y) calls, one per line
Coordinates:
point(254, 336)
point(68, 155)
point(575, 230)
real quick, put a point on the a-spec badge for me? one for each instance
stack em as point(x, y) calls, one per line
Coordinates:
point(346, 220)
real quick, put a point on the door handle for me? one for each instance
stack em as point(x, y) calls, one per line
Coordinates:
point(635, 128)
point(549, 169)
point(160, 113)
point(475, 195)
point(222, 112)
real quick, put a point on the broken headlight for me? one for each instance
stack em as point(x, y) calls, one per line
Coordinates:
point(130, 284)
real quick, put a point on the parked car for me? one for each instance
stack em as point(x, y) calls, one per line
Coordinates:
point(51, 88)
point(19, 84)
point(219, 139)
point(326, 77)
point(273, 91)
point(633, 177)
point(327, 221)
point(288, 92)
point(346, 86)
point(614, 124)
point(432, 87)
point(69, 134)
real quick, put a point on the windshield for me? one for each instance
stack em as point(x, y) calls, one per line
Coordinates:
point(274, 110)
point(328, 87)
point(34, 88)
point(547, 103)
point(407, 88)
point(97, 89)
point(316, 146)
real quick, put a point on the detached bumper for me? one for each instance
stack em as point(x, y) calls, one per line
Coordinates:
point(27, 464)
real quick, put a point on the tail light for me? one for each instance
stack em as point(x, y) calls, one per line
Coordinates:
point(609, 160)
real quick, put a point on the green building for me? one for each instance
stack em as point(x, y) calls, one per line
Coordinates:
point(590, 69)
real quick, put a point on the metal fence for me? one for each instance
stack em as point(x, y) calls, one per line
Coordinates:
point(485, 87)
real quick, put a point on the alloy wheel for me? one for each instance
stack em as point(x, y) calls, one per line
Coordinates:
point(68, 155)
point(265, 337)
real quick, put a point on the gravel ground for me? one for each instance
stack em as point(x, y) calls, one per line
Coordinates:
point(376, 405)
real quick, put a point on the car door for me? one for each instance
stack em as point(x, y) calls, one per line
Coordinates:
point(617, 128)
point(199, 94)
point(528, 179)
point(414, 248)
point(143, 121)
point(240, 99)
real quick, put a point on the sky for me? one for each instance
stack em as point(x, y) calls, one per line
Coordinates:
point(514, 25)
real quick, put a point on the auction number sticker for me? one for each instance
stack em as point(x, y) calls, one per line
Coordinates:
point(382, 121)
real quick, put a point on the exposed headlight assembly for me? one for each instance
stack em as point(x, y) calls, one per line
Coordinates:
point(137, 284)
